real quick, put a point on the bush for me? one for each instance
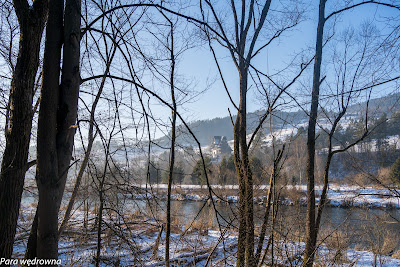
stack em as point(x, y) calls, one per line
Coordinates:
point(384, 176)
point(395, 172)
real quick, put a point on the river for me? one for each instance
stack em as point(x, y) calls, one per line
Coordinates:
point(357, 227)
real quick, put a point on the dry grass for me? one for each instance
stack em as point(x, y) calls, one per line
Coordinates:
point(384, 176)
point(293, 194)
point(337, 243)
point(388, 242)
point(396, 254)
point(202, 225)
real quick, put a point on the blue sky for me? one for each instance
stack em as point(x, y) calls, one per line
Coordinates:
point(198, 65)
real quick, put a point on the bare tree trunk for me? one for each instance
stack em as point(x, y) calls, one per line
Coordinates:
point(275, 206)
point(19, 119)
point(57, 118)
point(245, 24)
point(245, 180)
point(100, 220)
point(241, 173)
point(272, 180)
point(88, 149)
point(247, 170)
point(241, 211)
point(266, 216)
point(310, 217)
point(324, 193)
point(69, 90)
point(322, 201)
point(171, 169)
point(157, 243)
point(31, 252)
point(47, 166)
point(172, 153)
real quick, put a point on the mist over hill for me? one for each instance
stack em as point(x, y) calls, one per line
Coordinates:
point(386, 104)
point(222, 126)
point(205, 130)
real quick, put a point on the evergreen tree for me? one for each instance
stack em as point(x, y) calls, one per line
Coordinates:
point(198, 175)
point(395, 172)
point(394, 124)
point(381, 125)
point(257, 168)
point(227, 170)
point(177, 176)
point(154, 176)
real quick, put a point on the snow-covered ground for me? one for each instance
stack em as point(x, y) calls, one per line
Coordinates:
point(338, 195)
point(132, 243)
point(363, 196)
point(131, 240)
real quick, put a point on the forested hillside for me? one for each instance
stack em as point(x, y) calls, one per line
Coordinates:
point(206, 129)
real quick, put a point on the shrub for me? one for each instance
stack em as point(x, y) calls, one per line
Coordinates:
point(395, 172)
point(384, 176)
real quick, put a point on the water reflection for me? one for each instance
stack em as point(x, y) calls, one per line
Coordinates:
point(360, 226)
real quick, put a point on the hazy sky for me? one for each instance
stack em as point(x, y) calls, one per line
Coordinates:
point(197, 65)
point(197, 68)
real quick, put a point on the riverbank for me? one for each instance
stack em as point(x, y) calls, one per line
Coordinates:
point(343, 196)
point(133, 239)
point(132, 222)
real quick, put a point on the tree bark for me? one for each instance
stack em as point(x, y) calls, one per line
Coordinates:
point(247, 174)
point(19, 119)
point(241, 168)
point(242, 193)
point(310, 217)
point(100, 219)
point(57, 119)
point(69, 90)
point(172, 151)
point(272, 180)
point(31, 246)
point(47, 164)
point(245, 181)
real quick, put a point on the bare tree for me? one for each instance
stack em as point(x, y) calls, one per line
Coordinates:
point(248, 24)
point(241, 56)
point(270, 197)
point(310, 219)
point(57, 119)
point(312, 223)
point(19, 115)
point(173, 139)
point(91, 137)
point(102, 177)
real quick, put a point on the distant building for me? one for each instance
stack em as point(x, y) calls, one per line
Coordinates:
point(220, 147)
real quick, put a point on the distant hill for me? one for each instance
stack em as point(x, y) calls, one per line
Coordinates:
point(386, 104)
point(206, 129)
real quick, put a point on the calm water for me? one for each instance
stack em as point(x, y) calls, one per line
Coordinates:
point(359, 226)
